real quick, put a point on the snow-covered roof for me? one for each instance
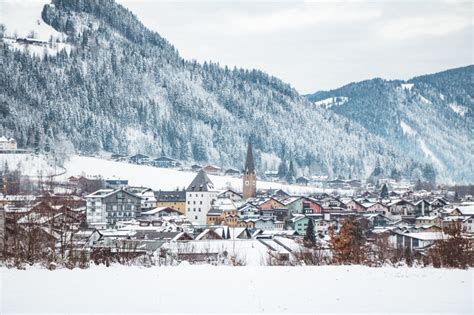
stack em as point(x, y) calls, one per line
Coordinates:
point(5, 139)
point(426, 236)
point(466, 208)
point(156, 210)
point(431, 217)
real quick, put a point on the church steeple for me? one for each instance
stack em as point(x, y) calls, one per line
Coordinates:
point(249, 182)
point(249, 166)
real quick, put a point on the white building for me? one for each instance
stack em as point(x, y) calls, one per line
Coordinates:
point(7, 143)
point(200, 196)
point(106, 207)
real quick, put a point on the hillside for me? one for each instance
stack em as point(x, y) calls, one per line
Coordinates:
point(122, 88)
point(163, 178)
point(430, 115)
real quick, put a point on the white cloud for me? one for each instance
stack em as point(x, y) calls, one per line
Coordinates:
point(304, 16)
point(412, 27)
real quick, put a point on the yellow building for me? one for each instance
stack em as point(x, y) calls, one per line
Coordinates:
point(175, 199)
point(223, 212)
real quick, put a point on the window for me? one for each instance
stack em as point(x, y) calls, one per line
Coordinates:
point(415, 242)
point(199, 209)
point(195, 217)
point(200, 202)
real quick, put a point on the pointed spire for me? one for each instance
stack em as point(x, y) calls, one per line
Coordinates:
point(249, 166)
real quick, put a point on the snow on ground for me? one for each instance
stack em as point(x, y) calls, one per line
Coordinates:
point(407, 130)
point(424, 100)
point(162, 178)
point(210, 289)
point(332, 101)
point(39, 50)
point(458, 109)
point(30, 164)
point(429, 153)
point(22, 17)
point(407, 86)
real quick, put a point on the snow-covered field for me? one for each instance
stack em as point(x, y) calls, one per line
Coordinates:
point(30, 164)
point(328, 289)
point(161, 178)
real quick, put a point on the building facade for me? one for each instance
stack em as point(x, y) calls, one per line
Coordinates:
point(106, 207)
point(200, 196)
point(175, 199)
point(7, 143)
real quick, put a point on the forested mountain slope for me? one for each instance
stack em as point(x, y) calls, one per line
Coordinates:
point(431, 115)
point(123, 88)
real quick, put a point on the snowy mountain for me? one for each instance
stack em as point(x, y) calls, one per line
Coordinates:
point(431, 115)
point(122, 88)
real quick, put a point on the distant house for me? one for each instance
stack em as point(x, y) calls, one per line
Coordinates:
point(270, 203)
point(160, 212)
point(165, 162)
point(232, 172)
point(140, 159)
point(200, 196)
point(175, 199)
point(429, 220)
point(106, 207)
point(248, 211)
point(401, 207)
point(31, 41)
point(196, 167)
point(355, 205)
point(212, 169)
point(423, 208)
point(118, 157)
point(302, 180)
point(271, 176)
point(438, 203)
point(415, 240)
point(7, 143)
point(377, 220)
point(264, 224)
point(147, 195)
point(230, 194)
point(299, 223)
point(301, 205)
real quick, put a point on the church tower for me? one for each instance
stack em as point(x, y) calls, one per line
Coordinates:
point(250, 177)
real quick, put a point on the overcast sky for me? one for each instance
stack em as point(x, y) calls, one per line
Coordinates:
point(311, 45)
point(318, 45)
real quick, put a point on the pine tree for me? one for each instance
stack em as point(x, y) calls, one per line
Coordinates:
point(282, 170)
point(290, 176)
point(310, 236)
point(384, 192)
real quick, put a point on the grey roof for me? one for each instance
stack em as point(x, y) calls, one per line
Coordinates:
point(155, 235)
point(201, 182)
point(170, 196)
point(214, 211)
point(164, 158)
point(249, 165)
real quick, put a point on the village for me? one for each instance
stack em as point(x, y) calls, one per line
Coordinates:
point(108, 221)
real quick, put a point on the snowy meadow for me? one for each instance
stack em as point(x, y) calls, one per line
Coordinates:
point(211, 289)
